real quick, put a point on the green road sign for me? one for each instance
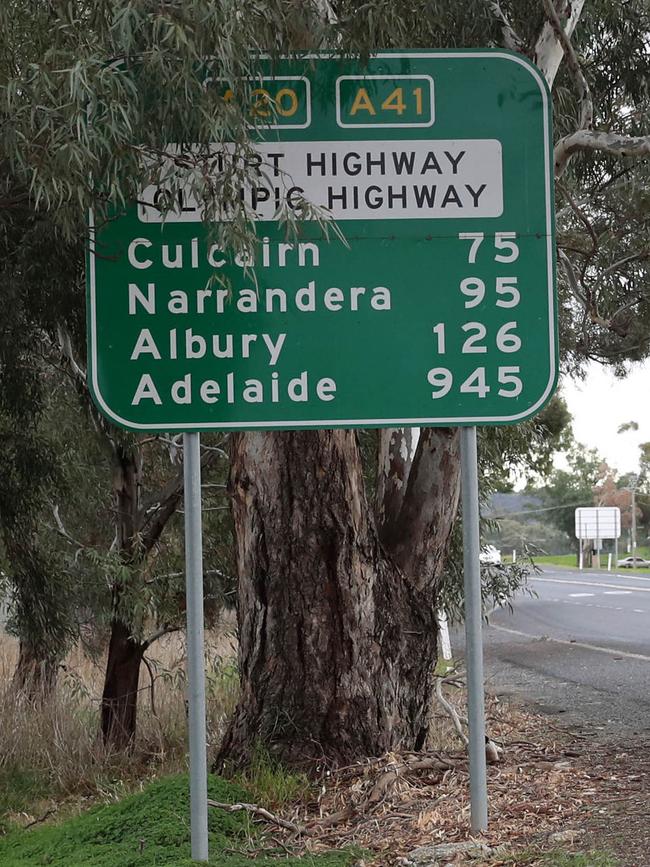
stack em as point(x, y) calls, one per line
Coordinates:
point(438, 309)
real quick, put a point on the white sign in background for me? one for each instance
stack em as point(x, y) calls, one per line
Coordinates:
point(359, 180)
point(598, 522)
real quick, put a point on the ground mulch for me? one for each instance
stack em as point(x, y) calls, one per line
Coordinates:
point(549, 781)
point(619, 820)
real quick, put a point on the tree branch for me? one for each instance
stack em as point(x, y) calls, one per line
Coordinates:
point(160, 633)
point(549, 51)
point(610, 143)
point(511, 39)
point(65, 344)
point(62, 530)
point(157, 511)
point(589, 255)
point(153, 683)
point(451, 711)
point(418, 537)
point(586, 299)
point(254, 810)
point(584, 92)
point(572, 278)
point(616, 266)
point(397, 447)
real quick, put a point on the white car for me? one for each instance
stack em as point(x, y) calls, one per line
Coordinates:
point(633, 563)
point(490, 556)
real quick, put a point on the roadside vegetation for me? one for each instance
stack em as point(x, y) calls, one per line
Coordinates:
point(149, 828)
point(51, 758)
point(568, 561)
point(336, 547)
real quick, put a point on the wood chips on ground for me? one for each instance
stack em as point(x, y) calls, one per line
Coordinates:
point(549, 780)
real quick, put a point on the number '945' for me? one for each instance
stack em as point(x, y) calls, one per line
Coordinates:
point(442, 380)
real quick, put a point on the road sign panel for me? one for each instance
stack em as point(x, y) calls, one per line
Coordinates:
point(439, 307)
point(598, 522)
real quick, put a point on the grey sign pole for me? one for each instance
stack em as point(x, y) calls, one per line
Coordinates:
point(473, 623)
point(195, 658)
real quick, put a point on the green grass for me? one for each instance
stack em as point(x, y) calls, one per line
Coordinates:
point(534, 858)
point(557, 559)
point(19, 790)
point(579, 859)
point(443, 666)
point(146, 829)
point(569, 561)
point(270, 783)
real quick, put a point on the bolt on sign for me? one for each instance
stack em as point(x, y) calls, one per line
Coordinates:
point(439, 306)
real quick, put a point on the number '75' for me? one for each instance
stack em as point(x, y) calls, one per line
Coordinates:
point(504, 241)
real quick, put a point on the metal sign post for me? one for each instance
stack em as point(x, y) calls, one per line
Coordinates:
point(195, 657)
point(473, 640)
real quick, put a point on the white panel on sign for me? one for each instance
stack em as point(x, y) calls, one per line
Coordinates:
point(598, 522)
point(357, 180)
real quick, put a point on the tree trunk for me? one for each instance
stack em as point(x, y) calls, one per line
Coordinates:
point(35, 673)
point(120, 696)
point(337, 635)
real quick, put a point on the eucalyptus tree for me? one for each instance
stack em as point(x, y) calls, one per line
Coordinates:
point(348, 613)
point(30, 253)
point(83, 506)
point(75, 126)
point(337, 590)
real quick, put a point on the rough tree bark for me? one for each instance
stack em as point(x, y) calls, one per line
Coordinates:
point(139, 526)
point(35, 673)
point(120, 694)
point(336, 616)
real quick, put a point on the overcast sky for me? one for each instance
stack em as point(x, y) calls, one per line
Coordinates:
point(602, 403)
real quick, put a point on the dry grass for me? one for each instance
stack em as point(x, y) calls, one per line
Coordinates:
point(51, 750)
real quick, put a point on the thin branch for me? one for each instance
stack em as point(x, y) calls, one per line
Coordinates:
point(586, 223)
point(584, 91)
point(219, 451)
point(159, 508)
point(153, 682)
point(616, 266)
point(611, 179)
point(254, 810)
point(46, 815)
point(580, 215)
point(573, 280)
point(586, 299)
point(451, 710)
point(511, 38)
point(627, 306)
point(164, 630)
point(62, 530)
point(395, 772)
point(208, 509)
point(65, 343)
point(169, 575)
point(177, 443)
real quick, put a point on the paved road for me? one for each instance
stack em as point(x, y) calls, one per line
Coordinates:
point(580, 650)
